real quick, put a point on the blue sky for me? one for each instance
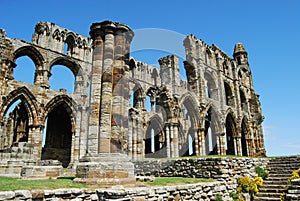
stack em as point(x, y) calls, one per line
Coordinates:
point(269, 30)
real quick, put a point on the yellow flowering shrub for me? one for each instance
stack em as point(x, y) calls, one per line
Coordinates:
point(258, 181)
point(282, 196)
point(295, 175)
point(247, 185)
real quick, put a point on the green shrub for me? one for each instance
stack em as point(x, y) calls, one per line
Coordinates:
point(219, 198)
point(261, 172)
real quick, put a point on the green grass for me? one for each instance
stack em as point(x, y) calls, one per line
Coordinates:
point(168, 181)
point(10, 184)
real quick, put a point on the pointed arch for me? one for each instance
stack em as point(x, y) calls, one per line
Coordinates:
point(56, 34)
point(211, 85)
point(32, 53)
point(67, 102)
point(155, 138)
point(58, 137)
point(191, 104)
point(231, 133)
point(137, 95)
point(29, 101)
point(228, 94)
point(245, 136)
point(70, 41)
point(212, 128)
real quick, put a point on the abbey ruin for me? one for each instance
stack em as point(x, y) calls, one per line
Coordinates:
point(214, 112)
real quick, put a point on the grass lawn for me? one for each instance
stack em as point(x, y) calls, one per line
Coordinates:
point(169, 181)
point(10, 184)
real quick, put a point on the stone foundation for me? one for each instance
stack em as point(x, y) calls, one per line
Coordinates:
point(105, 169)
point(199, 191)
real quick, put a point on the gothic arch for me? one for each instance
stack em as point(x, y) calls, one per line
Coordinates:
point(245, 136)
point(231, 133)
point(29, 100)
point(56, 34)
point(155, 138)
point(229, 96)
point(243, 99)
point(191, 104)
point(32, 53)
point(70, 41)
point(60, 129)
point(211, 85)
point(188, 125)
point(212, 128)
point(137, 95)
point(67, 102)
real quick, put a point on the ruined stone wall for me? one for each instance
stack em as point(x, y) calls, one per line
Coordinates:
point(121, 105)
point(221, 169)
point(46, 51)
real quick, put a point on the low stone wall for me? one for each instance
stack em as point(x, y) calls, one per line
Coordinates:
point(220, 169)
point(199, 191)
point(293, 192)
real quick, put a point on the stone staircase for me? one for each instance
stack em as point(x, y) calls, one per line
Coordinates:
point(281, 169)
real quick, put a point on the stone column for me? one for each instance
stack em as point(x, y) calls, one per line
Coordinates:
point(197, 142)
point(222, 147)
point(95, 92)
point(174, 140)
point(168, 148)
point(102, 166)
point(238, 146)
point(106, 93)
point(130, 133)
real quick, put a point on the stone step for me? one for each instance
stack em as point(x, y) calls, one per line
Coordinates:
point(266, 199)
point(288, 167)
point(266, 186)
point(269, 194)
point(279, 175)
point(271, 190)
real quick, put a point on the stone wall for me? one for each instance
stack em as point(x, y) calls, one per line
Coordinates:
point(221, 169)
point(200, 191)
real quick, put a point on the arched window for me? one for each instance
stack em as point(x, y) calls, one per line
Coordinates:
point(210, 137)
point(228, 95)
point(62, 78)
point(155, 140)
point(25, 70)
point(16, 127)
point(210, 87)
point(57, 136)
point(69, 45)
point(244, 137)
point(243, 101)
point(230, 134)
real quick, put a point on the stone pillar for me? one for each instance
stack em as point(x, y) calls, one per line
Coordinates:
point(197, 140)
point(222, 147)
point(168, 148)
point(106, 93)
point(130, 133)
point(41, 78)
point(100, 165)
point(238, 146)
point(139, 138)
point(95, 94)
point(174, 140)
